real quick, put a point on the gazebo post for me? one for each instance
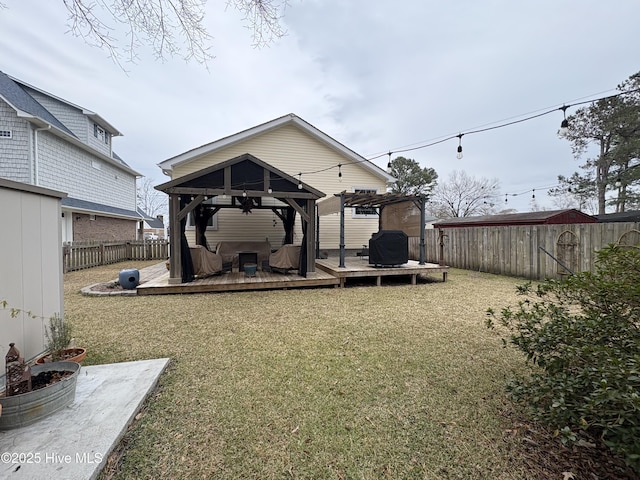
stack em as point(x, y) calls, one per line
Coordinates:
point(341, 230)
point(311, 228)
point(175, 260)
point(423, 225)
point(317, 232)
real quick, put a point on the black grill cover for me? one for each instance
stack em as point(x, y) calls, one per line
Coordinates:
point(388, 248)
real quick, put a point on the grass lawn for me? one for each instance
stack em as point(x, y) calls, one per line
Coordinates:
point(398, 381)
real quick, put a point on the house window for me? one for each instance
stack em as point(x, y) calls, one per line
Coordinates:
point(212, 224)
point(100, 133)
point(5, 134)
point(365, 212)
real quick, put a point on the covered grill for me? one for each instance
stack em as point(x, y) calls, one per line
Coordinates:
point(388, 248)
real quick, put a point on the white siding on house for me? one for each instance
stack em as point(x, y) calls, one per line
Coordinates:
point(14, 151)
point(292, 150)
point(68, 168)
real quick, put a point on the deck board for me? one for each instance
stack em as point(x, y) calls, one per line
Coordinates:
point(327, 273)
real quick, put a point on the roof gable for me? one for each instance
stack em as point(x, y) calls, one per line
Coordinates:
point(243, 174)
point(290, 119)
point(25, 105)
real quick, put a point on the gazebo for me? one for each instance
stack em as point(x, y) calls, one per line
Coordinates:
point(340, 201)
point(243, 182)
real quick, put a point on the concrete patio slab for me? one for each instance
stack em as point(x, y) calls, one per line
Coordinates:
point(75, 442)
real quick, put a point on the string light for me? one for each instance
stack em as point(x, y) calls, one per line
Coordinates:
point(244, 191)
point(564, 126)
point(459, 136)
point(340, 172)
point(533, 195)
point(269, 190)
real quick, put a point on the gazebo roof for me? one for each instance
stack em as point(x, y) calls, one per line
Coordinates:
point(244, 174)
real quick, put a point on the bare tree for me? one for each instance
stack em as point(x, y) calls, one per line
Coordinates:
point(150, 200)
point(464, 196)
point(169, 27)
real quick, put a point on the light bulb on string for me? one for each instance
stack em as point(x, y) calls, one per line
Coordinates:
point(533, 195)
point(340, 172)
point(269, 190)
point(300, 181)
point(244, 190)
point(389, 163)
point(564, 126)
point(459, 154)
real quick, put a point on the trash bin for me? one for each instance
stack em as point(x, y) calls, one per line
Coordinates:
point(129, 279)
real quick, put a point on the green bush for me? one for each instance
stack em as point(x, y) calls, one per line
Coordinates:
point(583, 336)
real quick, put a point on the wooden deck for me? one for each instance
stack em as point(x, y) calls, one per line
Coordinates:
point(237, 281)
point(358, 267)
point(327, 274)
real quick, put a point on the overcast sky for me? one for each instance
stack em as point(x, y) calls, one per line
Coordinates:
point(376, 75)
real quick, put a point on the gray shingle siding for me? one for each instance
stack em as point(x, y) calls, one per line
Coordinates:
point(70, 169)
point(14, 151)
point(70, 117)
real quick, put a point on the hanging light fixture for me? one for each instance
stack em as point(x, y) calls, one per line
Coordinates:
point(459, 154)
point(300, 181)
point(340, 172)
point(564, 126)
point(389, 163)
point(244, 190)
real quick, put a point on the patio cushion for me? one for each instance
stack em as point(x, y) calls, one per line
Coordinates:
point(204, 261)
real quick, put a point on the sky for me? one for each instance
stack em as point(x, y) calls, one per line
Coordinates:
point(376, 75)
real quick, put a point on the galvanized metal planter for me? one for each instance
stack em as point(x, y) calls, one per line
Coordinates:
point(27, 408)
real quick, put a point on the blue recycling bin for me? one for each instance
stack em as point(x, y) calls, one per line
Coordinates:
point(129, 279)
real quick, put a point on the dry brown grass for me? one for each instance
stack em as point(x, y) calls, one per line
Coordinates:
point(365, 382)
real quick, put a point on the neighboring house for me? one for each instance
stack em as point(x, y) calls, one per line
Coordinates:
point(152, 228)
point(48, 142)
point(632, 216)
point(549, 217)
point(307, 154)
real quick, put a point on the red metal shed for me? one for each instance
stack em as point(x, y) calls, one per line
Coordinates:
point(530, 218)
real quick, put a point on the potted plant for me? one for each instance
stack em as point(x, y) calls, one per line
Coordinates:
point(39, 390)
point(59, 340)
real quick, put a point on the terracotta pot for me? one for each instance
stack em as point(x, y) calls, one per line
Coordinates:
point(75, 354)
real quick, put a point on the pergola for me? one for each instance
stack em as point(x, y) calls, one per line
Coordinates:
point(340, 201)
point(245, 180)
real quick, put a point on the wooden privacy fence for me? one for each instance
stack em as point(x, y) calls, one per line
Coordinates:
point(79, 255)
point(535, 252)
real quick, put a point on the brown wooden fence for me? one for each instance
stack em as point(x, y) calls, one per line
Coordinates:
point(79, 255)
point(531, 251)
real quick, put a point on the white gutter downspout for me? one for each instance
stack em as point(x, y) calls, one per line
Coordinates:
point(35, 155)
